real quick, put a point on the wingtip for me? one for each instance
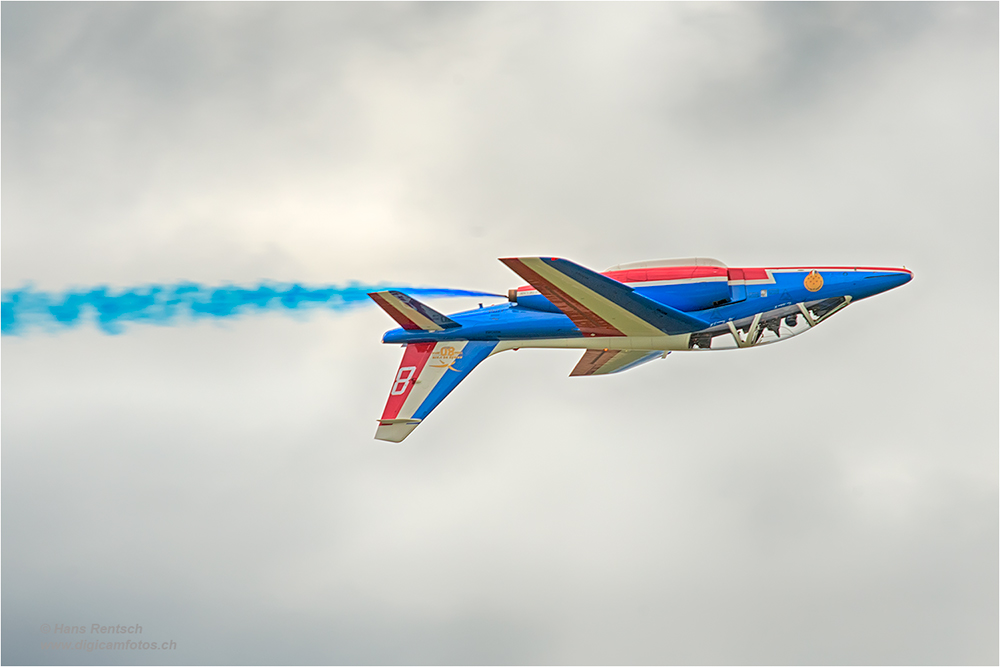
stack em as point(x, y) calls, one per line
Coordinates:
point(395, 430)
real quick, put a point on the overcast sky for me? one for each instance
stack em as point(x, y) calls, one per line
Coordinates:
point(829, 500)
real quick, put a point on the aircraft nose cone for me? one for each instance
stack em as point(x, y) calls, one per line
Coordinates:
point(897, 278)
point(890, 279)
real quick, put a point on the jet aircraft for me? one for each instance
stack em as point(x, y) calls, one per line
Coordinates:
point(626, 316)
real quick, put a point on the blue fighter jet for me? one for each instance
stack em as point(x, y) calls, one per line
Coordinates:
point(623, 317)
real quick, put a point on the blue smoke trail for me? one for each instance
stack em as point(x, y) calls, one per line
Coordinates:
point(26, 308)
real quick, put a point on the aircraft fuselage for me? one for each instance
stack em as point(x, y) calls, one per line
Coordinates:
point(777, 295)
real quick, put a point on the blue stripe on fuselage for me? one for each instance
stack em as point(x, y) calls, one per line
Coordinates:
point(494, 323)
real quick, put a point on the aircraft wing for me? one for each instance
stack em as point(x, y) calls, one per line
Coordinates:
point(598, 305)
point(605, 362)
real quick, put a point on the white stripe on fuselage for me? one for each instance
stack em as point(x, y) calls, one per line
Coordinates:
point(650, 343)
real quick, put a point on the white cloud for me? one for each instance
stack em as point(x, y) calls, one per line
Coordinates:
point(829, 500)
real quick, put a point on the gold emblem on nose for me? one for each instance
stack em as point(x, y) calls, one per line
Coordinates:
point(813, 282)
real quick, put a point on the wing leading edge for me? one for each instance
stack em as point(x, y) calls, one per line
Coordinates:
point(598, 305)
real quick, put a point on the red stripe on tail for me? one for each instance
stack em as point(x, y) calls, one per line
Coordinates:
point(415, 357)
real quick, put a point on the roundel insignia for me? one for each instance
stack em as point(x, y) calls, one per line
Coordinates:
point(813, 282)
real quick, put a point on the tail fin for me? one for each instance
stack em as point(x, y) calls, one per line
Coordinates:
point(428, 373)
point(410, 313)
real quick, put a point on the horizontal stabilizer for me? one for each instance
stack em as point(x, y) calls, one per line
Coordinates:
point(410, 313)
point(606, 362)
point(598, 305)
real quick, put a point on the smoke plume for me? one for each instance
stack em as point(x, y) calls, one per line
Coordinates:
point(26, 309)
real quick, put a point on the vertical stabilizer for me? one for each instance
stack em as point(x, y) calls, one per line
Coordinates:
point(428, 373)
